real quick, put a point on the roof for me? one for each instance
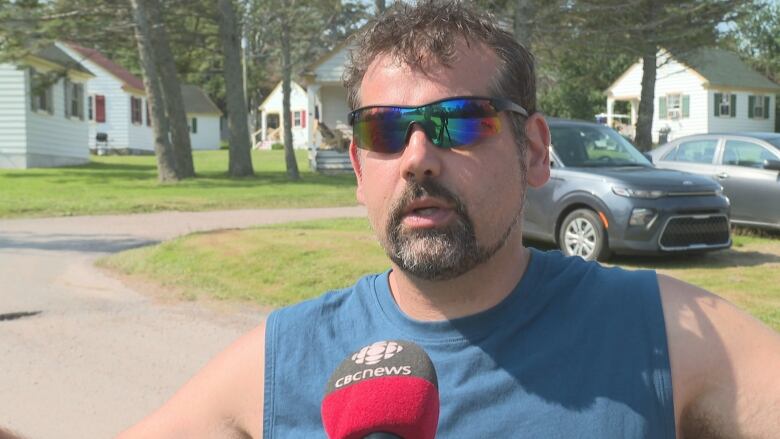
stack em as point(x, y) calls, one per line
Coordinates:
point(55, 55)
point(723, 68)
point(197, 101)
point(115, 69)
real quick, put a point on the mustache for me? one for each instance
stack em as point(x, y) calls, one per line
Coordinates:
point(414, 191)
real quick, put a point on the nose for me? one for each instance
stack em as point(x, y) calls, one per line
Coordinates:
point(421, 159)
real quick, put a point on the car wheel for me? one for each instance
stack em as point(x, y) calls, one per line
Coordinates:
point(582, 234)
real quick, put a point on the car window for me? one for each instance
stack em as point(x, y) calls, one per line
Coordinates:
point(774, 141)
point(747, 154)
point(694, 151)
point(586, 145)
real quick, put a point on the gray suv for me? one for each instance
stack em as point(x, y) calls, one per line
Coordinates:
point(605, 197)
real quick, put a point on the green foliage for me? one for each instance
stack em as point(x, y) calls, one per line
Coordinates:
point(277, 146)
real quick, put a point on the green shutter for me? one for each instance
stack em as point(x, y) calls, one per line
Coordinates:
point(733, 106)
point(686, 106)
point(33, 94)
point(67, 90)
point(751, 106)
point(194, 125)
point(662, 107)
point(766, 107)
point(718, 98)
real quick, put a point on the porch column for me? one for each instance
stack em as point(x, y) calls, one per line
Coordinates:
point(634, 112)
point(263, 125)
point(610, 110)
point(312, 95)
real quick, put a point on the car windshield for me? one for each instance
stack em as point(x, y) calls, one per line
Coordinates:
point(594, 146)
point(775, 141)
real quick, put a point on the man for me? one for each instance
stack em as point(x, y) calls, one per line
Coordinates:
point(526, 344)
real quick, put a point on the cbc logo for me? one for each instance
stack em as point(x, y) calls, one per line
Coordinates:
point(381, 350)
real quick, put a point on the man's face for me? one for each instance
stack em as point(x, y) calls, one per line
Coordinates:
point(440, 212)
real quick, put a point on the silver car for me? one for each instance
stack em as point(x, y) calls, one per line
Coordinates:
point(747, 165)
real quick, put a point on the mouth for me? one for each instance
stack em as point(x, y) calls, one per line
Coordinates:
point(427, 212)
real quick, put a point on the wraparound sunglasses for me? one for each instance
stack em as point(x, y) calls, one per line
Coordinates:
point(448, 123)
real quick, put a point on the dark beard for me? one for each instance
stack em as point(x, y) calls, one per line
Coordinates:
point(437, 254)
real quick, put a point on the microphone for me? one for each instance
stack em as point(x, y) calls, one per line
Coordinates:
point(387, 390)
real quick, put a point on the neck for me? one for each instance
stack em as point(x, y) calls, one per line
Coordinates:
point(477, 290)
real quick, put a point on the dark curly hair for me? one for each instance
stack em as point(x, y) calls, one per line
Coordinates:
point(428, 31)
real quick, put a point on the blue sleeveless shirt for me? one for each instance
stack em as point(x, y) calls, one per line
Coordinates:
point(576, 350)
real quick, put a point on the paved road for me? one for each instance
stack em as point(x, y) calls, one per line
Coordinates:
point(83, 355)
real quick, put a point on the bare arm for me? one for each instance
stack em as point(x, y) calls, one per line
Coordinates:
point(725, 366)
point(224, 400)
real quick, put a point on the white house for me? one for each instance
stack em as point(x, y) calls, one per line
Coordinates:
point(118, 111)
point(116, 101)
point(43, 124)
point(709, 90)
point(203, 116)
point(272, 118)
point(327, 99)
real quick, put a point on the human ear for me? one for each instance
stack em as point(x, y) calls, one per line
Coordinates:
point(354, 158)
point(537, 158)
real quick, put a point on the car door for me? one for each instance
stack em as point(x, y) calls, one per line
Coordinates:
point(754, 192)
point(695, 155)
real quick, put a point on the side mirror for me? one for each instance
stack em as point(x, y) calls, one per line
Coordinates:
point(772, 165)
point(648, 156)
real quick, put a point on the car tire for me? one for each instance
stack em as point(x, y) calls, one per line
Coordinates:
point(582, 234)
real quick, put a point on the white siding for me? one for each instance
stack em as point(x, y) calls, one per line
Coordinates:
point(332, 69)
point(674, 78)
point(741, 121)
point(53, 139)
point(207, 136)
point(334, 109)
point(139, 136)
point(630, 84)
point(13, 102)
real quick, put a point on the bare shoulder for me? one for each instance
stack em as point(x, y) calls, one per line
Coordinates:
point(225, 398)
point(725, 365)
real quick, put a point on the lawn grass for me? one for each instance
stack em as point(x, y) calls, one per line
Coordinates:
point(283, 264)
point(128, 184)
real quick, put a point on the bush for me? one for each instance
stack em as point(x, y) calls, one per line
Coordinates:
point(277, 146)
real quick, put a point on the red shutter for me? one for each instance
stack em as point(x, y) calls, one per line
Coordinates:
point(303, 119)
point(100, 108)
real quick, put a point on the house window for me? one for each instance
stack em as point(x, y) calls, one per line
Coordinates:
point(674, 106)
point(725, 104)
point(74, 99)
point(297, 118)
point(194, 125)
point(41, 98)
point(758, 107)
point(135, 110)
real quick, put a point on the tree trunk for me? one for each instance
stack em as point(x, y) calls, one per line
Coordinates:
point(166, 161)
point(525, 15)
point(171, 89)
point(240, 151)
point(379, 6)
point(644, 123)
point(289, 152)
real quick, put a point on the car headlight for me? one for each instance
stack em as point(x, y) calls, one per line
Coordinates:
point(637, 193)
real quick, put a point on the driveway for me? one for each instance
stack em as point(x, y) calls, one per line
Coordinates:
point(81, 354)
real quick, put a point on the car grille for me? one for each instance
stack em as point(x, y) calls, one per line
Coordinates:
point(692, 232)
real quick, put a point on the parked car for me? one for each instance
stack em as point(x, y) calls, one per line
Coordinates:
point(747, 165)
point(605, 197)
